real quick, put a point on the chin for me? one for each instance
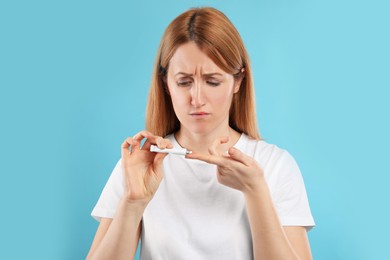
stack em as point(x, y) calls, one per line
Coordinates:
point(199, 128)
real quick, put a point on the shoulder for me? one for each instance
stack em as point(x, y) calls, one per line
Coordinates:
point(261, 148)
point(273, 159)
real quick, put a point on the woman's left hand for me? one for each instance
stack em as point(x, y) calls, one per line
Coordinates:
point(234, 168)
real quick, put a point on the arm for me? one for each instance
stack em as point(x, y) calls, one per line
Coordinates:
point(118, 238)
point(100, 232)
point(270, 239)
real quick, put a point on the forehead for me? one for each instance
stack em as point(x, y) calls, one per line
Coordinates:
point(190, 59)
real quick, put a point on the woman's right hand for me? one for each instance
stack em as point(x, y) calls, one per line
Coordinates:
point(142, 169)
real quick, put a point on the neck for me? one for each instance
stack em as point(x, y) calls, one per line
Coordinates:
point(199, 143)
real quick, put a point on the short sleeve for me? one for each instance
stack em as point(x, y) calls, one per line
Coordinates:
point(110, 196)
point(289, 194)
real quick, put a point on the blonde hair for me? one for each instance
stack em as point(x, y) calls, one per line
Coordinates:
point(216, 36)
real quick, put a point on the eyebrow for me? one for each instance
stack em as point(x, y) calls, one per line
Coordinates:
point(205, 75)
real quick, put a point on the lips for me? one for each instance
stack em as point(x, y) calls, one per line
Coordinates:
point(201, 113)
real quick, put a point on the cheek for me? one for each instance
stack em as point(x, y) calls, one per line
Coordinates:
point(222, 98)
point(177, 98)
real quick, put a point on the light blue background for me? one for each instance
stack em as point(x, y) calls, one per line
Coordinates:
point(74, 77)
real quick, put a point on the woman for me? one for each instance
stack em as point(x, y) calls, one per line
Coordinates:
point(235, 196)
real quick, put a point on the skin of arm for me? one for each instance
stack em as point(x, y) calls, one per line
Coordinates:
point(118, 238)
point(270, 239)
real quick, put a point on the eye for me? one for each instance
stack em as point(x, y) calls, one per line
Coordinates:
point(184, 83)
point(213, 83)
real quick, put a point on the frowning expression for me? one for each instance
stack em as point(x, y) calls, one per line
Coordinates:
point(201, 92)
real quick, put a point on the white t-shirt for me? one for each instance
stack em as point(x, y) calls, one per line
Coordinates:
point(193, 216)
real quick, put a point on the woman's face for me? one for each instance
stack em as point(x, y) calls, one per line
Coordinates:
point(201, 92)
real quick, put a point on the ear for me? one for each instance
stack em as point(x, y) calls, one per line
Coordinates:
point(237, 85)
point(238, 81)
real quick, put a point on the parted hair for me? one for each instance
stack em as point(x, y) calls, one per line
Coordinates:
point(216, 36)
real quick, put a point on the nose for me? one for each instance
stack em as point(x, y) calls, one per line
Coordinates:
point(197, 97)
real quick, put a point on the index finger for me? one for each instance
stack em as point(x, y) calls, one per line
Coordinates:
point(152, 139)
point(141, 135)
point(209, 158)
point(126, 145)
point(159, 141)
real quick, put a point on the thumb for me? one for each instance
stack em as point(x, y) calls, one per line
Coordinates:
point(158, 158)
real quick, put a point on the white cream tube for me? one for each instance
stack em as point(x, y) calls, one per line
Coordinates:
point(178, 151)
